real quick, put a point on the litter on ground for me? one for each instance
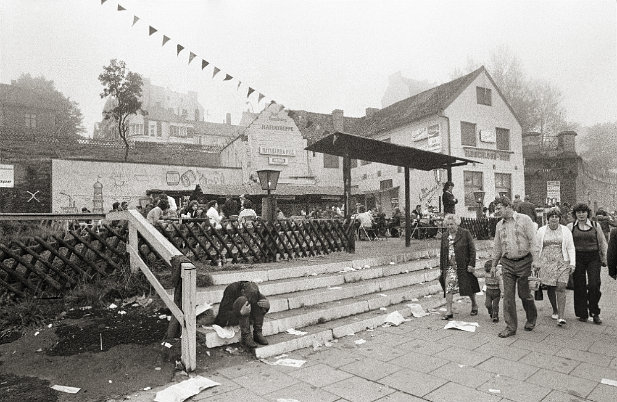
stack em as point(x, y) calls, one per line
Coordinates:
point(64, 388)
point(417, 310)
point(359, 341)
point(395, 318)
point(225, 333)
point(184, 390)
point(462, 325)
point(609, 382)
point(293, 331)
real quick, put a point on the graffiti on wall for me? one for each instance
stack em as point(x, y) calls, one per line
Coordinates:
point(192, 177)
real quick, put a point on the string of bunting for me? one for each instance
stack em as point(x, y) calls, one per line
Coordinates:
point(192, 55)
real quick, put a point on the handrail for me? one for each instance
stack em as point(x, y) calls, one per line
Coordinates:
point(186, 317)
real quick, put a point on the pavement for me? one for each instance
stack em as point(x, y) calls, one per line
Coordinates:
point(420, 360)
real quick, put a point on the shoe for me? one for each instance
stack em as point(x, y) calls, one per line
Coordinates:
point(529, 326)
point(506, 333)
point(474, 311)
point(447, 317)
point(259, 338)
point(490, 312)
point(495, 319)
point(561, 322)
point(555, 316)
point(582, 319)
point(597, 320)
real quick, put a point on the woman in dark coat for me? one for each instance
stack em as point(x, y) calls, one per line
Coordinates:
point(448, 199)
point(457, 262)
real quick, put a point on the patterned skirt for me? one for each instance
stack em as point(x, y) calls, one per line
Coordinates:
point(451, 280)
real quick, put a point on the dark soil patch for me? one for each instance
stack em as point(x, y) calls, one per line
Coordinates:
point(107, 329)
point(9, 336)
point(19, 389)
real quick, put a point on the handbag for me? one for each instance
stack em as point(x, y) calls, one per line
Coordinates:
point(538, 294)
point(570, 285)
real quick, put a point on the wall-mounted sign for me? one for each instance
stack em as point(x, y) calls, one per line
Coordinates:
point(278, 160)
point(487, 136)
point(553, 190)
point(276, 128)
point(433, 131)
point(277, 151)
point(7, 176)
point(487, 154)
point(420, 134)
point(173, 178)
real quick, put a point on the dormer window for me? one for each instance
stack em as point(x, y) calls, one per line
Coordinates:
point(484, 96)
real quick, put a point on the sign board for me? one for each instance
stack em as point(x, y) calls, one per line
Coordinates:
point(278, 160)
point(277, 151)
point(487, 136)
point(553, 190)
point(7, 176)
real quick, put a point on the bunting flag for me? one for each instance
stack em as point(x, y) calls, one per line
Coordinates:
point(179, 49)
point(103, 2)
point(250, 91)
point(152, 30)
point(260, 97)
point(191, 57)
point(227, 77)
point(238, 87)
point(135, 19)
point(165, 40)
point(216, 71)
point(120, 8)
point(204, 64)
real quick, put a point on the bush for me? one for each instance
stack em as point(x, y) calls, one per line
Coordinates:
point(28, 313)
point(11, 231)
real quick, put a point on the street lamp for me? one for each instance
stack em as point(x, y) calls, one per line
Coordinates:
point(268, 180)
point(479, 197)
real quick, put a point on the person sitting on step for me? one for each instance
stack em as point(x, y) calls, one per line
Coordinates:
point(243, 304)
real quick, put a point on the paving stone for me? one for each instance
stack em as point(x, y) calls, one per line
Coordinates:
point(235, 395)
point(465, 375)
point(603, 393)
point(265, 381)
point(419, 362)
point(451, 392)
point(603, 348)
point(413, 382)
point(388, 339)
point(595, 373)
point(587, 357)
point(503, 351)
point(515, 390)
point(563, 382)
point(399, 396)
point(558, 396)
point(335, 357)
point(358, 389)
point(508, 368)
point(570, 343)
point(370, 369)
point(549, 349)
point(239, 370)
point(467, 341)
point(464, 356)
point(225, 387)
point(560, 364)
point(423, 346)
point(319, 375)
point(301, 392)
point(374, 349)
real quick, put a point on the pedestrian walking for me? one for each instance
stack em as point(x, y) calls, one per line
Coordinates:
point(448, 199)
point(515, 248)
point(494, 289)
point(590, 246)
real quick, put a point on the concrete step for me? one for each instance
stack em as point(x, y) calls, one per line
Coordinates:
point(305, 316)
point(318, 335)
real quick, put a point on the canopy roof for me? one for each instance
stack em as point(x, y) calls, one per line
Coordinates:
point(368, 149)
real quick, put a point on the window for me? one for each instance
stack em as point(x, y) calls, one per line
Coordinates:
point(385, 184)
point(30, 120)
point(159, 129)
point(136, 129)
point(502, 138)
point(468, 134)
point(484, 96)
point(379, 173)
point(330, 161)
point(473, 182)
point(503, 184)
point(178, 131)
point(152, 129)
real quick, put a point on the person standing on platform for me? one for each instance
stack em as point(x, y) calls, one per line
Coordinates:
point(448, 199)
point(526, 207)
point(515, 248)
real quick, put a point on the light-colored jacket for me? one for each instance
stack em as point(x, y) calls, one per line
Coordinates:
point(602, 246)
point(567, 243)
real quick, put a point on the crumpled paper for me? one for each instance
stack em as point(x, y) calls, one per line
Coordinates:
point(417, 310)
point(462, 325)
point(395, 318)
point(225, 333)
point(293, 331)
point(184, 390)
point(64, 388)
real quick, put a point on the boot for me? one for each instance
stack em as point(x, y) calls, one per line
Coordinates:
point(245, 333)
point(257, 334)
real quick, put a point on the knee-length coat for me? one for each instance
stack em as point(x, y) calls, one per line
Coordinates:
point(465, 255)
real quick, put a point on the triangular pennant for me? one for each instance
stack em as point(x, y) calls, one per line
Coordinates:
point(250, 91)
point(260, 97)
point(239, 83)
point(179, 49)
point(204, 64)
point(165, 40)
point(120, 8)
point(135, 19)
point(216, 71)
point(103, 2)
point(152, 30)
point(227, 77)
point(191, 57)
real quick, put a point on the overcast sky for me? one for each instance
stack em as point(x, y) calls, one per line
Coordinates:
point(316, 55)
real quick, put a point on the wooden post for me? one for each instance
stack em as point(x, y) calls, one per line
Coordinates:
point(133, 242)
point(449, 172)
point(407, 210)
point(347, 183)
point(189, 326)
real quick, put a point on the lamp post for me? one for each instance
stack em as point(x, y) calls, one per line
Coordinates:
point(268, 180)
point(479, 197)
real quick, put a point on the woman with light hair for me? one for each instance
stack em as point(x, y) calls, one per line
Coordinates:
point(457, 262)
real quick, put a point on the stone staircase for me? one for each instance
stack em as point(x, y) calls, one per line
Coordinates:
point(330, 300)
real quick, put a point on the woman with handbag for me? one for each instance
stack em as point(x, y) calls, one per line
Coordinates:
point(457, 262)
point(590, 246)
point(556, 260)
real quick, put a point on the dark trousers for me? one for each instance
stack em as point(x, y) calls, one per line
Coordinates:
point(587, 284)
point(256, 317)
point(491, 301)
point(516, 274)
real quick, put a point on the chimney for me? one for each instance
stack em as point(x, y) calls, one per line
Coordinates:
point(338, 120)
point(228, 118)
point(370, 111)
point(566, 141)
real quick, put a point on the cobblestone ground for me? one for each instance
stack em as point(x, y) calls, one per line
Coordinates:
point(420, 360)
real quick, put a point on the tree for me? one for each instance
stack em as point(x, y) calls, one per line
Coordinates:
point(598, 146)
point(124, 87)
point(69, 120)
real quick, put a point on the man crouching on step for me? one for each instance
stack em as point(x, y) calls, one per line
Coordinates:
point(243, 304)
